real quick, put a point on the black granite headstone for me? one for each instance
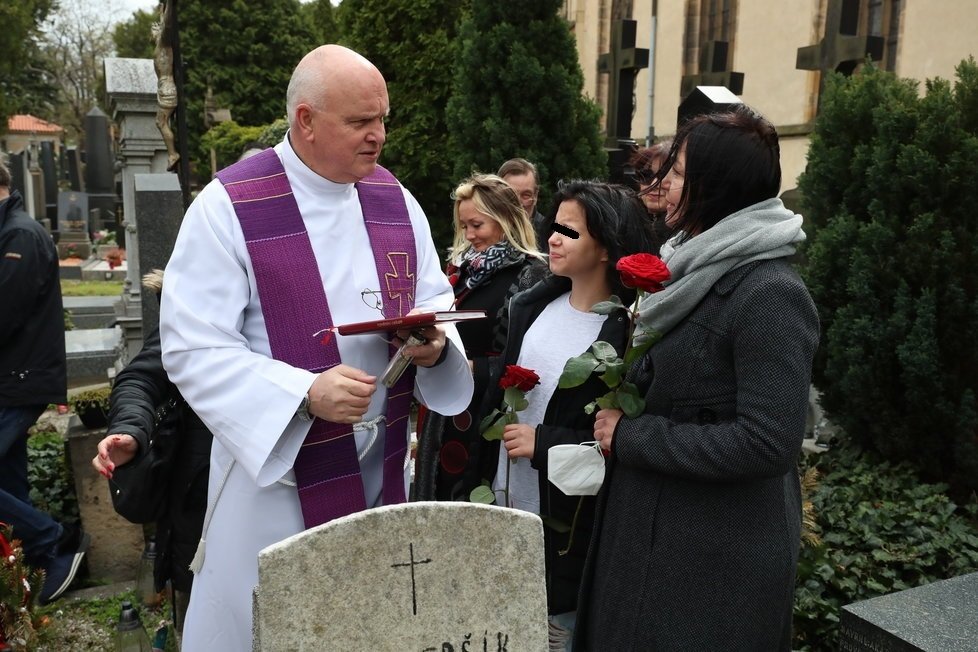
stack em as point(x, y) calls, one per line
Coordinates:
point(50, 171)
point(939, 617)
point(159, 210)
point(100, 167)
point(76, 181)
point(706, 99)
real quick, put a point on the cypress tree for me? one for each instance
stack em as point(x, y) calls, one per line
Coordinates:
point(890, 198)
point(413, 44)
point(518, 92)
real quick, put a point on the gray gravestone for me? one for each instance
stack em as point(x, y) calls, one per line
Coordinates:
point(90, 353)
point(939, 617)
point(100, 168)
point(36, 202)
point(159, 205)
point(73, 223)
point(130, 85)
point(435, 577)
point(50, 170)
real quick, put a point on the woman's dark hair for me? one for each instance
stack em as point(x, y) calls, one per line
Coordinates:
point(616, 218)
point(642, 159)
point(733, 160)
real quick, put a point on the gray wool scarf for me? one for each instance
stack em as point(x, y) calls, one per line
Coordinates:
point(763, 231)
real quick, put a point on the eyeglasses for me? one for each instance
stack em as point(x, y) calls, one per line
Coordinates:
point(375, 301)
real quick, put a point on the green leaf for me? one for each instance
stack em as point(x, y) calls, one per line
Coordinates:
point(489, 420)
point(482, 494)
point(514, 398)
point(604, 351)
point(556, 525)
point(590, 407)
point(631, 403)
point(608, 402)
point(577, 370)
point(613, 373)
point(495, 431)
point(607, 307)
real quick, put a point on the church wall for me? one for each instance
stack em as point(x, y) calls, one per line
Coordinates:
point(934, 38)
point(766, 46)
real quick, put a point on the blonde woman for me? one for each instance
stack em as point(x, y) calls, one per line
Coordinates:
point(494, 256)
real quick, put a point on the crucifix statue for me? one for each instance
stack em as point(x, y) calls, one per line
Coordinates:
point(841, 48)
point(166, 87)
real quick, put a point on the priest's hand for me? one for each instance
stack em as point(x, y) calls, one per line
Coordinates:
point(520, 440)
point(427, 354)
point(341, 394)
point(115, 450)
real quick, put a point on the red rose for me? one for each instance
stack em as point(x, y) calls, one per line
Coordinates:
point(520, 378)
point(6, 550)
point(643, 271)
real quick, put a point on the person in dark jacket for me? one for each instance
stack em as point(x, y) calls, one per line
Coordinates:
point(548, 324)
point(156, 458)
point(698, 522)
point(32, 375)
point(494, 256)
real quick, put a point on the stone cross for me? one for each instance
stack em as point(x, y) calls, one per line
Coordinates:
point(841, 48)
point(130, 85)
point(622, 64)
point(714, 71)
point(428, 576)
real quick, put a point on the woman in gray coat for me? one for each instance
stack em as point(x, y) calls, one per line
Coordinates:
point(697, 532)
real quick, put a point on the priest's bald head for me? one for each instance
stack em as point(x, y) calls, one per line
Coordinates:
point(337, 102)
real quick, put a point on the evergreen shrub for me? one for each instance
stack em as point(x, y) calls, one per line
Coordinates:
point(882, 530)
point(890, 200)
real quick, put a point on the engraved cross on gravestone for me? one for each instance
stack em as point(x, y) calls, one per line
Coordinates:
point(414, 589)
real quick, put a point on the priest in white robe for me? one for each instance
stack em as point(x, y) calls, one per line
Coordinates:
point(216, 348)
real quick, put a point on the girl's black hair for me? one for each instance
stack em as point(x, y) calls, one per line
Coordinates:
point(733, 160)
point(616, 218)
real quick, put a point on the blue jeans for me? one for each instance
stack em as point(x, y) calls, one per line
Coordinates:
point(561, 631)
point(38, 532)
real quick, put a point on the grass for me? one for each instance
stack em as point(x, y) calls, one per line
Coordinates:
point(75, 624)
point(72, 288)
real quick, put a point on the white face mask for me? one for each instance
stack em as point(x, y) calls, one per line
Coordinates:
point(576, 469)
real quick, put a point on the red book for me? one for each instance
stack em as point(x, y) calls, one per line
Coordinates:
point(419, 320)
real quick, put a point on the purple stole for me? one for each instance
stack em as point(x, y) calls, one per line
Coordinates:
point(294, 306)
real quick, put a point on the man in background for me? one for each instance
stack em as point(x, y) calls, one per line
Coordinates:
point(32, 375)
point(521, 175)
